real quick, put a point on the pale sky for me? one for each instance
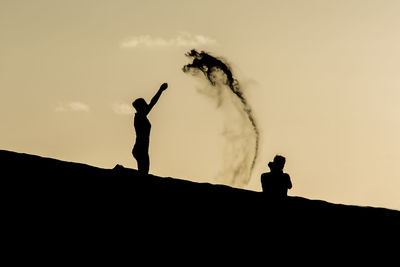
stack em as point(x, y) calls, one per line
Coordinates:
point(321, 77)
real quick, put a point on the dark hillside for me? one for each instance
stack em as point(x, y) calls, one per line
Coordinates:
point(60, 202)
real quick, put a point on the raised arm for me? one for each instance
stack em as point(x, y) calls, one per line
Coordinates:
point(157, 96)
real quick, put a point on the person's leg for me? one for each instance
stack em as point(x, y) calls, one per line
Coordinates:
point(145, 164)
point(141, 155)
point(136, 154)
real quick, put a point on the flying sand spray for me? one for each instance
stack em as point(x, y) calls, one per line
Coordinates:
point(241, 132)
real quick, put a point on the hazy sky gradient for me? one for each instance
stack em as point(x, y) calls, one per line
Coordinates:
point(321, 77)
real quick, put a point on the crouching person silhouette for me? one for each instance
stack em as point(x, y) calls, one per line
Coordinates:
point(142, 125)
point(276, 183)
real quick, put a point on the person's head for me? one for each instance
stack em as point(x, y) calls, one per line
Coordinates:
point(140, 105)
point(278, 163)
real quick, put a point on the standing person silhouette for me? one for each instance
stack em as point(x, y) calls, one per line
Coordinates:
point(142, 125)
point(276, 183)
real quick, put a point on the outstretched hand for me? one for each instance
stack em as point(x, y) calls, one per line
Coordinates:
point(164, 86)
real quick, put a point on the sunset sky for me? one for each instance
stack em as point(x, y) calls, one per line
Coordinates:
point(322, 78)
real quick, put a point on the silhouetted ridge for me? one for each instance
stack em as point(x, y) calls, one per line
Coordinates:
point(47, 197)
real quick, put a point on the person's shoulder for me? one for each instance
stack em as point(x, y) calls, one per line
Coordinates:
point(265, 174)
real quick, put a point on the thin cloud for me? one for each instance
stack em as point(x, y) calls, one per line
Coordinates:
point(183, 39)
point(78, 106)
point(122, 109)
point(74, 106)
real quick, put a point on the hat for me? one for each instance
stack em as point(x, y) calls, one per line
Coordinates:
point(279, 162)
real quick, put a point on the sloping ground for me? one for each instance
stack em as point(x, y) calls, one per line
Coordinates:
point(59, 202)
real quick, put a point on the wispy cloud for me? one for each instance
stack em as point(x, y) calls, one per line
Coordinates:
point(74, 106)
point(122, 109)
point(183, 39)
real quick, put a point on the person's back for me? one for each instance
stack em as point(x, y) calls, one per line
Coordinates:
point(142, 127)
point(268, 183)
